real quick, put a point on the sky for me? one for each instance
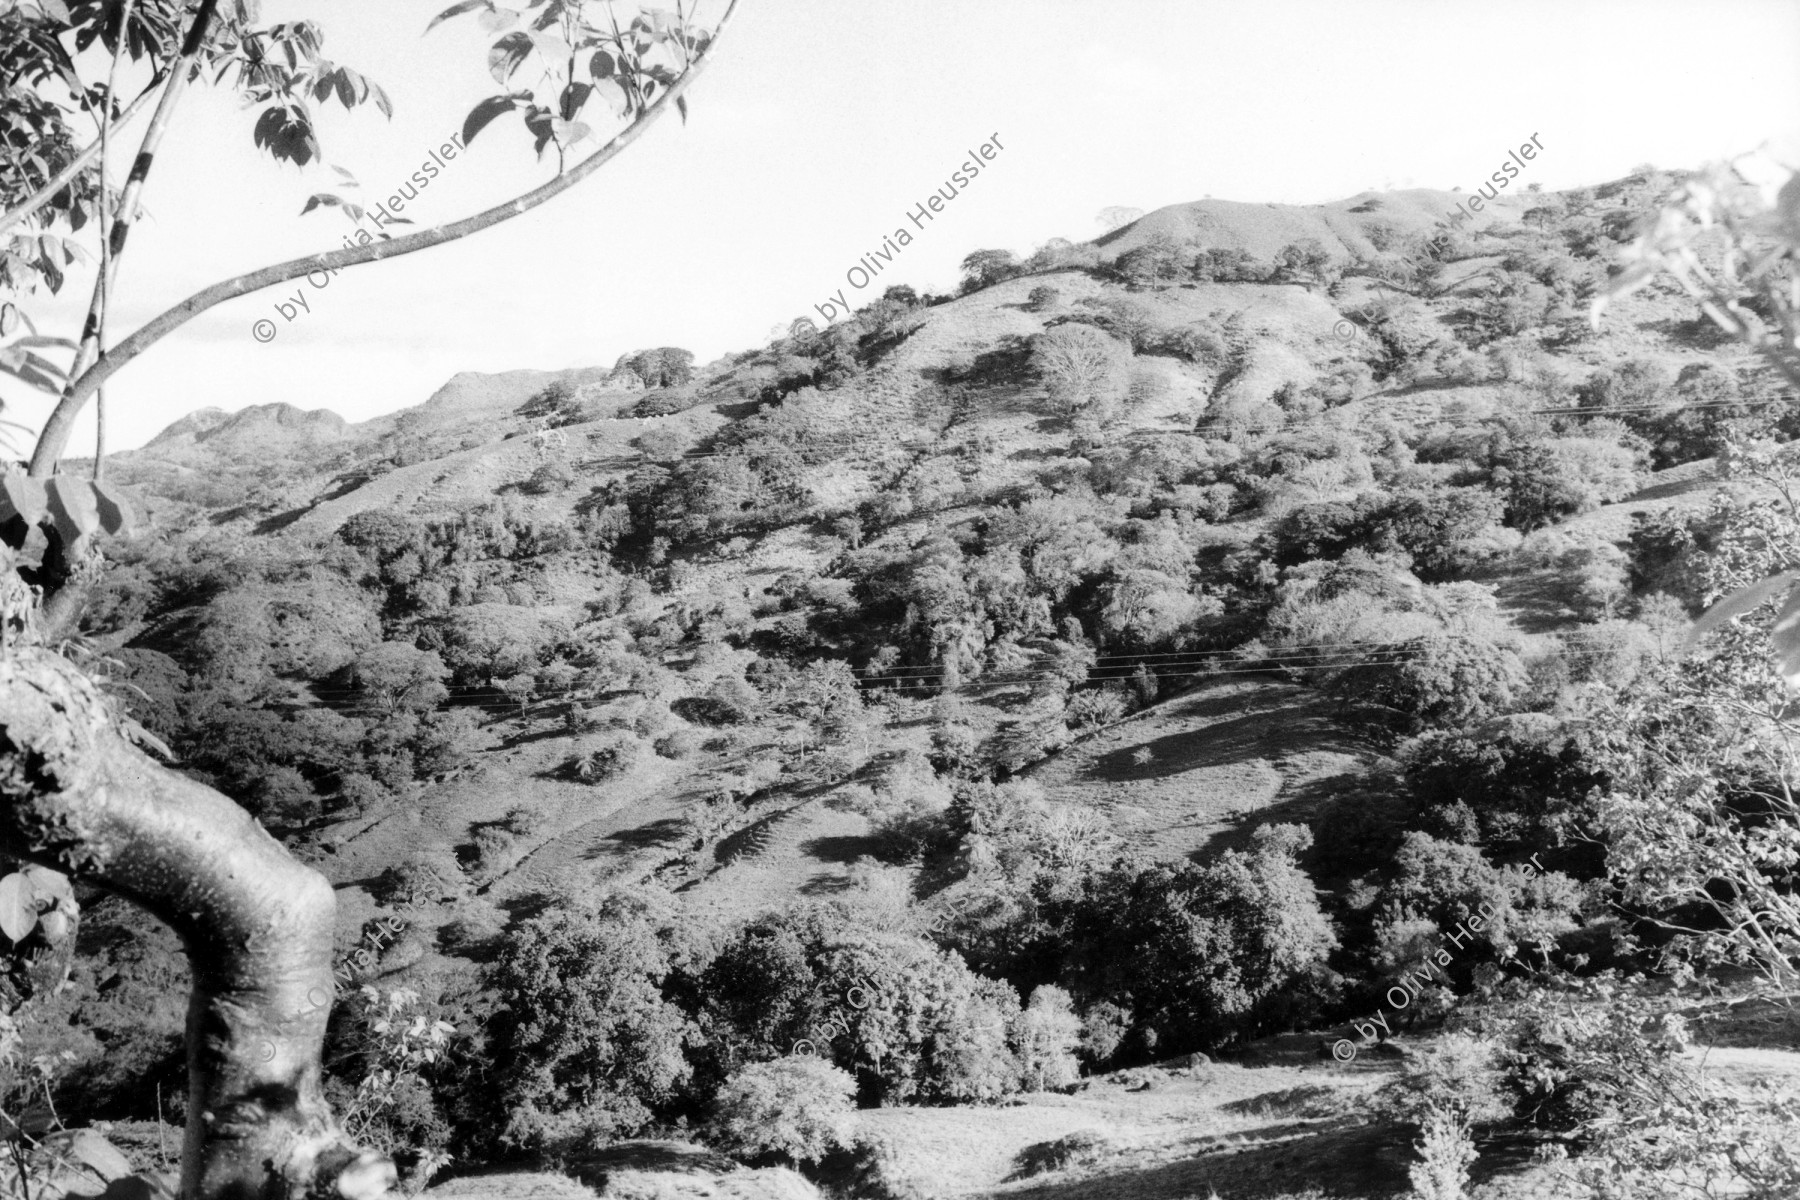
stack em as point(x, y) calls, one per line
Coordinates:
point(820, 123)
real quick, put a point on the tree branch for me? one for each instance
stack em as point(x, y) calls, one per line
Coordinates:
point(106, 212)
point(183, 69)
point(76, 165)
point(88, 379)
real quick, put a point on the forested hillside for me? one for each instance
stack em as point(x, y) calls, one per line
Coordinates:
point(877, 751)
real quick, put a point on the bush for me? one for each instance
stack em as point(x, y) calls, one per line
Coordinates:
point(1458, 1074)
point(424, 875)
point(491, 845)
point(678, 744)
point(1445, 1155)
point(613, 755)
point(1043, 298)
point(798, 1106)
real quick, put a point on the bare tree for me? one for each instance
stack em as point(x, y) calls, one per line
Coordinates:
point(1083, 366)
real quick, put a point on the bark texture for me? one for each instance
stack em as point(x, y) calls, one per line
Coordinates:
point(78, 797)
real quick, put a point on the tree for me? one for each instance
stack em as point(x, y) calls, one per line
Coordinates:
point(1191, 951)
point(1083, 366)
point(557, 404)
point(402, 676)
point(1045, 1037)
point(81, 795)
point(1162, 256)
point(664, 367)
point(1305, 261)
point(1442, 680)
point(587, 1044)
point(984, 268)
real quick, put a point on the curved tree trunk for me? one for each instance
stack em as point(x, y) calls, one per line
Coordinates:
point(257, 926)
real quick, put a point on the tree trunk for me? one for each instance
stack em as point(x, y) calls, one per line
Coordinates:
point(257, 927)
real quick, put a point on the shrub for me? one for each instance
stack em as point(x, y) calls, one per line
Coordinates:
point(613, 755)
point(1082, 1148)
point(1445, 1154)
point(1459, 1075)
point(799, 1106)
point(1043, 298)
point(1093, 709)
point(678, 744)
point(424, 875)
point(491, 845)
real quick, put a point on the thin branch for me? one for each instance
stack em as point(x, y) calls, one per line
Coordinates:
point(88, 380)
point(108, 215)
point(77, 165)
point(184, 68)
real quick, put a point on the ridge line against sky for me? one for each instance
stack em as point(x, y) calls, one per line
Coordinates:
point(821, 121)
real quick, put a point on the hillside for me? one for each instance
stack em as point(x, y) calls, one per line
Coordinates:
point(1296, 550)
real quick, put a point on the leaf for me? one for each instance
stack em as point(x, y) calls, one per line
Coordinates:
point(507, 55)
point(551, 47)
point(457, 9)
point(116, 513)
point(9, 319)
point(1742, 601)
point(602, 65)
point(681, 107)
point(484, 113)
point(72, 507)
point(50, 885)
point(23, 497)
point(18, 907)
point(286, 132)
point(23, 371)
point(609, 91)
point(45, 342)
point(327, 200)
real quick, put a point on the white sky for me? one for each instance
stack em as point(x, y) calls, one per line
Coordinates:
point(822, 121)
